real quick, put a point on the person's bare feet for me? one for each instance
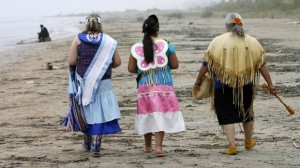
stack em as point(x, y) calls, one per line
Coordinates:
point(160, 153)
point(147, 149)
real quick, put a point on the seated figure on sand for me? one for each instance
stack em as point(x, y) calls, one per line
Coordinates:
point(44, 34)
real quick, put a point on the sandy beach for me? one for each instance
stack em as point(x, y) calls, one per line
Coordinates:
point(33, 100)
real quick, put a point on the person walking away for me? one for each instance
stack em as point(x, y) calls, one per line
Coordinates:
point(234, 60)
point(158, 109)
point(94, 54)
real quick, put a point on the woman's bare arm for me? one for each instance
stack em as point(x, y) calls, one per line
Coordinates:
point(266, 74)
point(72, 60)
point(173, 61)
point(116, 61)
point(132, 66)
point(201, 74)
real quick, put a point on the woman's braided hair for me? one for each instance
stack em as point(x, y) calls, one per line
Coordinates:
point(93, 24)
point(234, 23)
point(150, 28)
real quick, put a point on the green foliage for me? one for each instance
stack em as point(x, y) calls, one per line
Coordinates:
point(260, 8)
point(153, 10)
point(207, 13)
point(175, 15)
point(140, 19)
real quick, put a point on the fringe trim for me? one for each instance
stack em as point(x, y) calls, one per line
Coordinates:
point(234, 80)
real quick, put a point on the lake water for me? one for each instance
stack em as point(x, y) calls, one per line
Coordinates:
point(24, 30)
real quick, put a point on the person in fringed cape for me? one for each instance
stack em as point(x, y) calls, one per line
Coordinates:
point(158, 109)
point(93, 54)
point(234, 60)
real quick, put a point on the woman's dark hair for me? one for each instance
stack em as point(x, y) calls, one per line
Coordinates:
point(150, 28)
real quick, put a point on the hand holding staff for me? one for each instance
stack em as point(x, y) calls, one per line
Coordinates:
point(290, 110)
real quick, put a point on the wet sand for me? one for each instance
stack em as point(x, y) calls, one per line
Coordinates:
point(34, 100)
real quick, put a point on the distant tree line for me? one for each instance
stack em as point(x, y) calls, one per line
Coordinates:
point(295, 2)
point(256, 8)
point(265, 3)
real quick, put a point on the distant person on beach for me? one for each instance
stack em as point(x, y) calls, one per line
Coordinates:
point(44, 34)
point(93, 54)
point(158, 109)
point(234, 61)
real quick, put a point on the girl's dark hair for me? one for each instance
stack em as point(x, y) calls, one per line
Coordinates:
point(150, 27)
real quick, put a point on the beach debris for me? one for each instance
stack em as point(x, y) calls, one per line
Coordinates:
point(49, 66)
point(298, 147)
point(67, 150)
point(198, 48)
point(30, 82)
point(295, 22)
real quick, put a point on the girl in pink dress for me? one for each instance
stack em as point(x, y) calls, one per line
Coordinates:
point(158, 109)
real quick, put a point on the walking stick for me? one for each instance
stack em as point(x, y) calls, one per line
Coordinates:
point(289, 109)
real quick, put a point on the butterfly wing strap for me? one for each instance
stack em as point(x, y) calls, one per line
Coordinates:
point(160, 48)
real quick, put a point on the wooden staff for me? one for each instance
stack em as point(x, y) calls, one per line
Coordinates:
point(289, 109)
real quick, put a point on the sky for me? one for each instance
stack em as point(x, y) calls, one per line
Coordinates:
point(20, 8)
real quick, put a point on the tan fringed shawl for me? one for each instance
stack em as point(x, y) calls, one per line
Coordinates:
point(235, 61)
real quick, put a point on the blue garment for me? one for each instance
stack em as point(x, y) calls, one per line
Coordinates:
point(86, 52)
point(104, 106)
point(110, 127)
point(90, 38)
point(171, 49)
point(217, 83)
point(102, 113)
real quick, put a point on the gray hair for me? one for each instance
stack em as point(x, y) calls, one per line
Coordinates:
point(234, 23)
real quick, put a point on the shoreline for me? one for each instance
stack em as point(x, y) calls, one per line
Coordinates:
point(19, 53)
point(58, 27)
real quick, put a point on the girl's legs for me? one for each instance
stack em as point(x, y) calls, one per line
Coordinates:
point(96, 142)
point(159, 136)
point(87, 141)
point(148, 142)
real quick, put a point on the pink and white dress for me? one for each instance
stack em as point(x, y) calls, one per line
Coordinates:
point(157, 104)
